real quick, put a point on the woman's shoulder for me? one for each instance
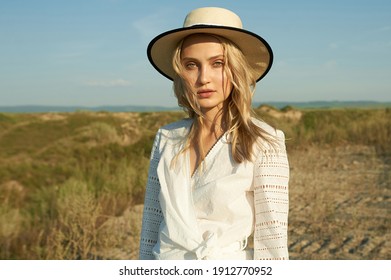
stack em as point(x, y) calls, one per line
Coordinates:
point(267, 127)
point(272, 141)
point(176, 129)
point(178, 125)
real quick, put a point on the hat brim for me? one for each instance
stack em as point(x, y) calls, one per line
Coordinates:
point(257, 51)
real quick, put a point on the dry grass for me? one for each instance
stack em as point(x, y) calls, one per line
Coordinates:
point(72, 185)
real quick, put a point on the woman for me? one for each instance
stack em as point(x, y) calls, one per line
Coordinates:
point(219, 176)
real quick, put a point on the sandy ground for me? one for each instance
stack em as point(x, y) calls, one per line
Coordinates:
point(340, 204)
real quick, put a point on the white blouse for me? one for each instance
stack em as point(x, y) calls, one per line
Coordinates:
point(211, 214)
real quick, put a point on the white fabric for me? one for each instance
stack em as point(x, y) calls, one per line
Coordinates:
point(211, 214)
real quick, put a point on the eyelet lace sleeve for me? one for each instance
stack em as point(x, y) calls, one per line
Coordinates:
point(271, 201)
point(152, 215)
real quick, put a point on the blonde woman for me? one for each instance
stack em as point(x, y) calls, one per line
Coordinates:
point(220, 176)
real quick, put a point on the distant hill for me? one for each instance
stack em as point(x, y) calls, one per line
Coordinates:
point(327, 104)
point(130, 108)
point(60, 109)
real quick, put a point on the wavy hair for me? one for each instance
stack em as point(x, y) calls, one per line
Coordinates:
point(237, 113)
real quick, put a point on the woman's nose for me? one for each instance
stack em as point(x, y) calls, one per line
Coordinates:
point(203, 75)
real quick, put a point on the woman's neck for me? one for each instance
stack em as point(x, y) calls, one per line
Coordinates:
point(213, 123)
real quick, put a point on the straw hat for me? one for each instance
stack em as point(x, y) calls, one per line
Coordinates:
point(217, 21)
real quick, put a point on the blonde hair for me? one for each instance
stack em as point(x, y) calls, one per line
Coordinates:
point(243, 132)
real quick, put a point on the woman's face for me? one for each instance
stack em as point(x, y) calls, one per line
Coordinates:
point(203, 62)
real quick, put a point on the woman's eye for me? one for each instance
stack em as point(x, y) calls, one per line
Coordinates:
point(190, 65)
point(218, 63)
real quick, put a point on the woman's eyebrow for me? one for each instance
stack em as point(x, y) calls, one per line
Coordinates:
point(210, 58)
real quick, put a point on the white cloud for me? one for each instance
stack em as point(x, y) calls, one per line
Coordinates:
point(333, 46)
point(331, 64)
point(384, 29)
point(373, 47)
point(108, 83)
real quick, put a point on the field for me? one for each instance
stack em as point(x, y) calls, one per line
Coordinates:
point(72, 184)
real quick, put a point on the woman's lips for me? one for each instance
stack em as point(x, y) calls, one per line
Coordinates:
point(205, 93)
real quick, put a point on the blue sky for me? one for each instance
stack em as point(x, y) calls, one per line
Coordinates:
point(93, 52)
